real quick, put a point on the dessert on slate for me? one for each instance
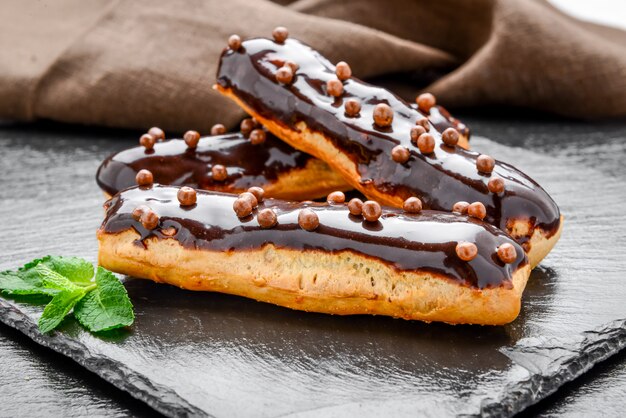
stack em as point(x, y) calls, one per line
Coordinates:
point(335, 257)
point(383, 146)
point(227, 162)
point(467, 261)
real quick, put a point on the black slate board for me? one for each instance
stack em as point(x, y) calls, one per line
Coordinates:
point(599, 391)
point(35, 379)
point(221, 355)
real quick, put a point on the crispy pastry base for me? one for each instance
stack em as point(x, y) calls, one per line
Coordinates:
point(343, 283)
point(319, 146)
point(315, 180)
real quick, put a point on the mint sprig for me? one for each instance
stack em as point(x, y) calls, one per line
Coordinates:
point(99, 304)
point(58, 308)
point(107, 306)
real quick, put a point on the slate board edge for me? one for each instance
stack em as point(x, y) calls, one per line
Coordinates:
point(590, 348)
point(137, 385)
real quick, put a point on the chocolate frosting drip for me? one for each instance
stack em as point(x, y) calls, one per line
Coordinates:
point(425, 241)
point(172, 162)
point(440, 179)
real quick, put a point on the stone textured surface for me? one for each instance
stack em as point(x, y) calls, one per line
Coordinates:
point(600, 391)
point(196, 353)
point(35, 379)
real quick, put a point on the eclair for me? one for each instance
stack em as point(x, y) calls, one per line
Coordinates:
point(383, 146)
point(337, 257)
point(227, 162)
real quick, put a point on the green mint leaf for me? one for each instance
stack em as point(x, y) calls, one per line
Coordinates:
point(33, 263)
point(76, 269)
point(23, 283)
point(107, 306)
point(33, 279)
point(53, 280)
point(12, 283)
point(60, 305)
point(28, 279)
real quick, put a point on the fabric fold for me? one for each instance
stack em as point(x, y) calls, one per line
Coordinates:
point(135, 64)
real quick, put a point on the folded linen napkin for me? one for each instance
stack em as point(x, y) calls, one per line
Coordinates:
point(140, 63)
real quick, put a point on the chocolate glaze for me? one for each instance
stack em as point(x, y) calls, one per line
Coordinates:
point(439, 179)
point(425, 241)
point(171, 162)
point(441, 119)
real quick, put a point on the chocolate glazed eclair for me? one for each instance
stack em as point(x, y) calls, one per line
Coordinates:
point(231, 162)
point(383, 146)
point(337, 258)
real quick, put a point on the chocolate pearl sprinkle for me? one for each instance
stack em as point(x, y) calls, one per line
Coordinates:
point(169, 231)
point(149, 219)
point(246, 126)
point(191, 139)
point(425, 101)
point(334, 87)
point(355, 206)
point(147, 141)
point(234, 42)
point(466, 251)
point(416, 131)
point(450, 137)
point(138, 211)
point(371, 211)
point(144, 178)
point(280, 34)
point(477, 210)
point(485, 164)
point(242, 207)
point(400, 154)
point(412, 205)
point(496, 185)
point(218, 129)
point(460, 207)
point(186, 196)
point(250, 198)
point(308, 220)
point(258, 192)
point(426, 143)
point(157, 133)
point(507, 253)
point(219, 172)
point(424, 123)
point(383, 115)
point(284, 74)
point(257, 136)
point(336, 197)
point(293, 65)
point(343, 71)
point(266, 218)
point(352, 106)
